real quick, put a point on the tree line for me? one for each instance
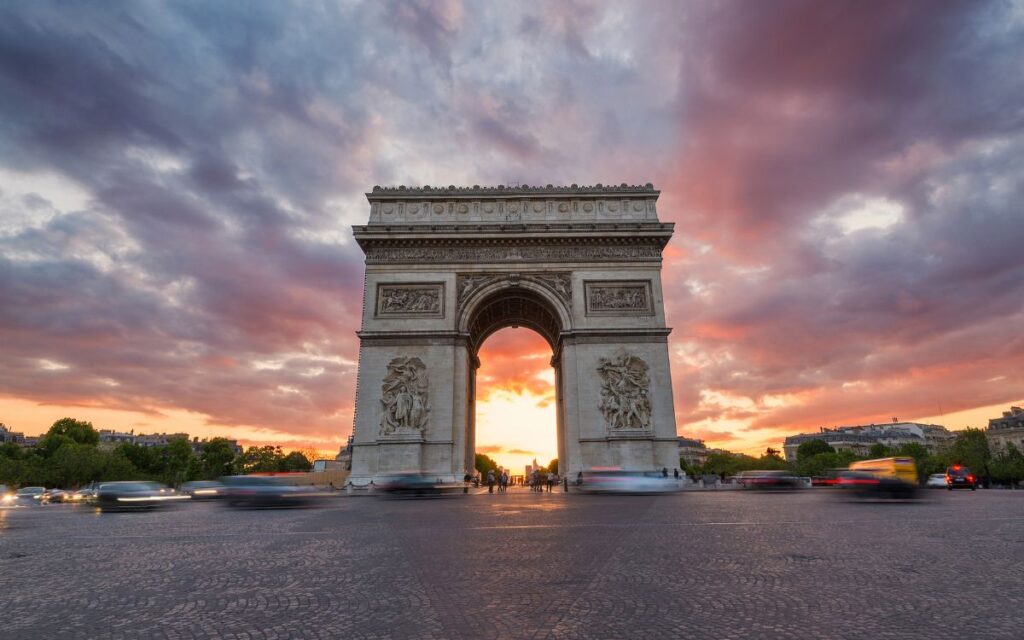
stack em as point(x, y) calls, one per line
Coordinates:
point(817, 458)
point(69, 456)
point(484, 463)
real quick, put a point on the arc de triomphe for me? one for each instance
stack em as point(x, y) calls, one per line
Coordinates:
point(447, 267)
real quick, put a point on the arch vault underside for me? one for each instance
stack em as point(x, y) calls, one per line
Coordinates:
point(446, 268)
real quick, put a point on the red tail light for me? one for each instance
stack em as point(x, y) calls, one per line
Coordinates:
point(970, 478)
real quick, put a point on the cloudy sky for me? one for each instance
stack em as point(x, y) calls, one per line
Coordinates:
point(177, 182)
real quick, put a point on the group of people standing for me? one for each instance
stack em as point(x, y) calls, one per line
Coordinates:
point(501, 480)
point(536, 480)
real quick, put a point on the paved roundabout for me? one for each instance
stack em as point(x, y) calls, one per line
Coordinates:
point(522, 565)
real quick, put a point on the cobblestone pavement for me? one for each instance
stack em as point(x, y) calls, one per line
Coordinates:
point(521, 565)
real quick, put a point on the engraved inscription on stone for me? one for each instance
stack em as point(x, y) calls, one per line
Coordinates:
point(615, 298)
point(625, 391)
point(402, 300)
point(404, 398)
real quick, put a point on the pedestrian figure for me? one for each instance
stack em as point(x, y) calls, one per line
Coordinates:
point(490, 481)
point(579, 478)
point(551, 481)
point(675, 472)
point(664, 472)
point(504, 481)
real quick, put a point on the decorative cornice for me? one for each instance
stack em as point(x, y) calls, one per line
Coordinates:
point(503, 190)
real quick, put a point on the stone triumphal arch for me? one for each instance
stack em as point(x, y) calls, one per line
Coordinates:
point(447, 267)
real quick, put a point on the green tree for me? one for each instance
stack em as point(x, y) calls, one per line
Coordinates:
point(11, 451)
point(1008, 466)
point(296, 461)
point(729, 463)
point(263, 459)
point(813, 448)
point(879, 450)
point(217, 458)
point(79, 431)
point(483, 464)
point(178, 461)
point(74, 465)
point(145, 460)
point(119, 467)
point(971, 450)
point(820, 464)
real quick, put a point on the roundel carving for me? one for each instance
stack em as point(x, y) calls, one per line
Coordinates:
point(538, 207)
point(414, 208)
point(438, 208)
point(563, 207)
point(463, 208)
point(638, 206)
point(587, 206)
point(389, 208)
point(513, 207)
point(613, 206)
point(489, 208)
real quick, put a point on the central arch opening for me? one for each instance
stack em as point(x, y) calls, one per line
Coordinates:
point(515, 388)
point(516, 420)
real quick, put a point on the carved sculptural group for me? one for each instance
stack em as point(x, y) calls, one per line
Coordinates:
point(625, 391)
point(404, 397)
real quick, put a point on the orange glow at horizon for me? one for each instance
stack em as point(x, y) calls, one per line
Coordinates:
point(515, 407)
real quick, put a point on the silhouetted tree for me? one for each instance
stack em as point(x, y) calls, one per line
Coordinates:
point(812, 448)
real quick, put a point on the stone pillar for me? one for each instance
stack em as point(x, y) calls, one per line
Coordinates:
point(559, 411)
point(569, 395)
point(462, 410)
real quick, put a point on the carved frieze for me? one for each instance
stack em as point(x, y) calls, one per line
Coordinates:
point(404, 398)
point(559, 284)
point(619, 298)
point(625, 392)
point(523, 253)
point(403, 300)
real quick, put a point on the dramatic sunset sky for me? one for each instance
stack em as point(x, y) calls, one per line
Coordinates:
point(178, 181)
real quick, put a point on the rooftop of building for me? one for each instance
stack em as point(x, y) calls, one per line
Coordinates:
point(513, 190)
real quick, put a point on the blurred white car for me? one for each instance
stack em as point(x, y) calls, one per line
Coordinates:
point(936, 481)
point(619, 481)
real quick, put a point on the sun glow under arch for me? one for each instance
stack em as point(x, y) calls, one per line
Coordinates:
point(515, 409)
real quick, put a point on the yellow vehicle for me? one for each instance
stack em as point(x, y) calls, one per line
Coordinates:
point(884, 477)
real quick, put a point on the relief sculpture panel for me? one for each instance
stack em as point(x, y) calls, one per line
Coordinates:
point(619, 298)
point(625, 392)
point(404, 398)
point(408, 300)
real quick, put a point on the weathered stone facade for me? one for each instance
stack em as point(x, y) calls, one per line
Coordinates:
point(445, 268)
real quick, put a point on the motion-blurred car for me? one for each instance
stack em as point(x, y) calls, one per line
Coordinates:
point(267, 492)
point(58, 496)
point(30, 496)
point(7, 496)
point(884, 478)
point(203, 489)
point(416, 485)
point(627, 482)
point(135, 495)
point(936, 481)
point(960, 477)
point(83, 495)
point(768, 480)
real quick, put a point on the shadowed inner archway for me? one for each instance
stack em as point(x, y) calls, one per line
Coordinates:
point(514, 308)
